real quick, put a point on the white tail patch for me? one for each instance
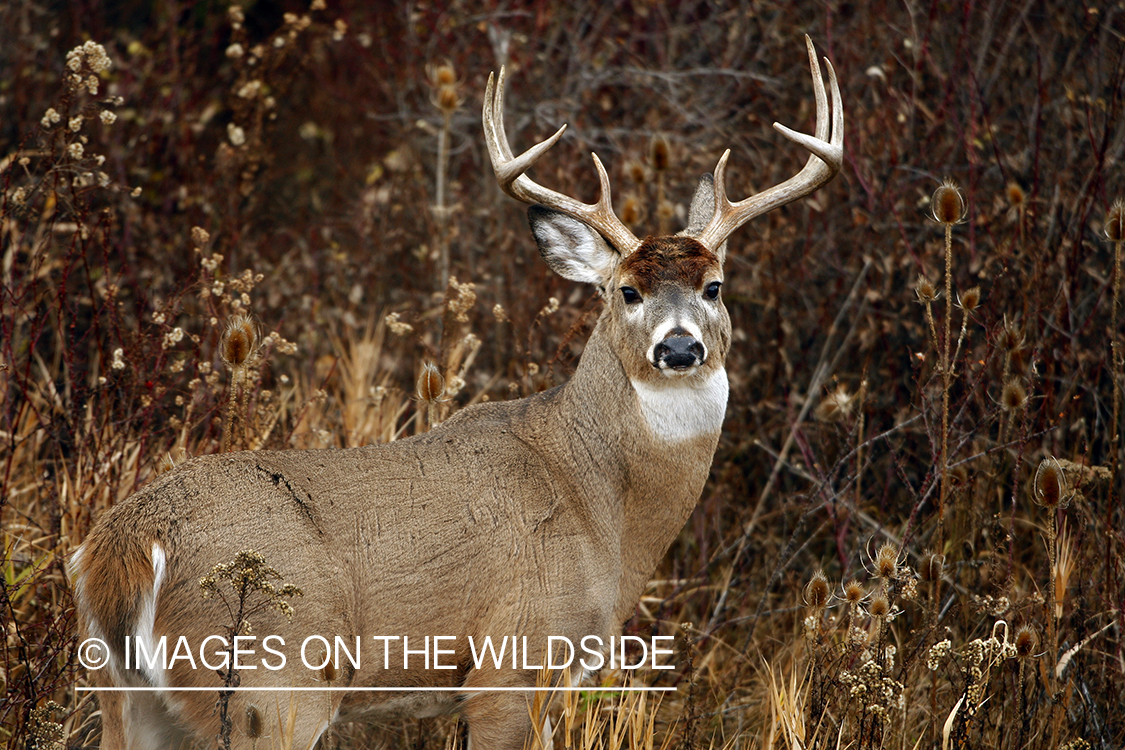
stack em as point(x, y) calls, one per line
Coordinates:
point(146, 621)
point(679, 410)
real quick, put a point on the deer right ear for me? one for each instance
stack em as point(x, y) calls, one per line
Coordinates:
point(572, 249)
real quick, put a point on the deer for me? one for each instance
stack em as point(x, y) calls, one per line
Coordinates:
point(534, 517)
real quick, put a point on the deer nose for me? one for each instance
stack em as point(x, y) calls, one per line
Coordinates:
point(678, 352)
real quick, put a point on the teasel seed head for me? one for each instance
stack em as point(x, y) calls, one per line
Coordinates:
point(816, 591)
point(431, 384)
point(1050, 488)
point(661, 153)
point(970, 300)
point(253, 723)
point(925, 289)
point(1014, 396)
point(631, 212)
point(947, 204)
point(239, 342)
point(636, 172)
point(932, 567)
point(854, 592)
point(880, 606)
point(443, 73)
point(1026, 642)
point(1115, 221)
point(1016, 194)
point(886, 561)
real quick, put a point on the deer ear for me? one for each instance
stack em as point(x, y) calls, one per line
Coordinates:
point(572, 249)
point(701, 211)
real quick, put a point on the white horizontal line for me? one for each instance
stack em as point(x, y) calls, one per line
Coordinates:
point(379, 689)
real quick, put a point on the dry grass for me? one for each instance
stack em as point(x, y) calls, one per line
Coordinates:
point(308, 158)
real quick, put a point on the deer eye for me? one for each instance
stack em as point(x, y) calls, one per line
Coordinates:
point(712, 290)
point(630, 295)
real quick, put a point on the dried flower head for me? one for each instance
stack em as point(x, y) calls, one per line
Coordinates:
point(1026, 642)
point(880, 606)
point(1115, 221)
point(239, 342)
point(631, 212)
point(886, 561)
point(1016, 194)
point(932, 567)
point(816, 591)
point(925, 289)
point(836, 405)
point(1050, 488)
point(636, 172)
point(947, 204)
point(1014, 396)
point(328, 672)
point(661, 153)
point(854, 593)
point(1011, 335)
point(431, 384)
point(253, 723)
point(970, 300)
point(443, 74)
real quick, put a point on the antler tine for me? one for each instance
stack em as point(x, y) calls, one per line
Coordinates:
point(510, 175)
point(825, 160)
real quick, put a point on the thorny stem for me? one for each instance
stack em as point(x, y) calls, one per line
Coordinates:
point(442, 211)
point(1115, 348)
point(946, 373)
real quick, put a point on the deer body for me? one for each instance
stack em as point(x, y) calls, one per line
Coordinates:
point(540, 517)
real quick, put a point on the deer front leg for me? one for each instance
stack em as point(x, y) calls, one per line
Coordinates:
point(498, 721)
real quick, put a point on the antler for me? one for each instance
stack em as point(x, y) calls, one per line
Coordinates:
point(510, 174)
point(827, 149)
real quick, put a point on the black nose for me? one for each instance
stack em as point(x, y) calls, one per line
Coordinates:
point(678, 353)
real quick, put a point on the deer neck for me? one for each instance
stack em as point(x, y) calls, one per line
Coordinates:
point(652, 446)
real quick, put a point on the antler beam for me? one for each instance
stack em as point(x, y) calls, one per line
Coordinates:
point(827, 156)
point(510, 171)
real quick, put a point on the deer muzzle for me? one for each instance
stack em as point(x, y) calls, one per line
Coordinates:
point(678, 352)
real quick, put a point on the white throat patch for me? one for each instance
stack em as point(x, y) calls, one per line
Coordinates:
point(679, 410)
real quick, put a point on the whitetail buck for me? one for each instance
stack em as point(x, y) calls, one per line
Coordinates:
point(540, 517)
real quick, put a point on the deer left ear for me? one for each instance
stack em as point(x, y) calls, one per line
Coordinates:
point(572, 249)
point(700, 213)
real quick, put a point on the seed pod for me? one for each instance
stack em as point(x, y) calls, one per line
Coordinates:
point(1050, 488)
point(970, 300)
point(1026, 642)
point(431, 384)
point(448, 99)
point(947, 204)
point(886, 561)
point(661, 153)
point(253, 723)
point(443, 74)
point(1016, 195)
point(1014, 396)
point(854, 592)
point(880, 606)
point(932, 567)
point(925, 289)
point(239, 342)
point(816, 591)
point(328, 672)
point(1115, 221)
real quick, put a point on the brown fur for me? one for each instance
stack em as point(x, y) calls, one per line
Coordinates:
point(661, 259)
